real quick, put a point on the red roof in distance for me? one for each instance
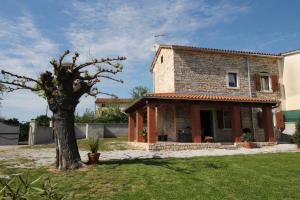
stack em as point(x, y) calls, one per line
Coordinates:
point(111, 100)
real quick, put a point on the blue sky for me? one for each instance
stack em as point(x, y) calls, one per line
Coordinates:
point(33, 31)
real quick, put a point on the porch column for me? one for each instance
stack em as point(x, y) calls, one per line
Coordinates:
point(151, 123)
point(268, 123)
point(236, 123)
point(131, 127)
point(139, 126)
point(196, 125)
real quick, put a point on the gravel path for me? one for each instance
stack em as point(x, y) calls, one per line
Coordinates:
point(18, 156)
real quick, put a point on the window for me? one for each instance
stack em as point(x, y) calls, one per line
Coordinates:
point(227, 119)
point(161, 59)
point(265, 82)
point(232, 80)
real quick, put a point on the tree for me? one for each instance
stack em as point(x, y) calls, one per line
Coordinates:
point(138, 92)
point(63, 88)
point(42, 120)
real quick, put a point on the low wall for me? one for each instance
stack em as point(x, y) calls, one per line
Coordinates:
point(9, 139)
point(43, 135)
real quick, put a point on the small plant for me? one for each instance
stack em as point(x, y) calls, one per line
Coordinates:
point(296, 136)
point(94, 145)
point(247, 137)
point(144, 134)
point(19, 187)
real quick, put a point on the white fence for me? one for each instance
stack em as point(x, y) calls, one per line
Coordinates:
point(44, 135)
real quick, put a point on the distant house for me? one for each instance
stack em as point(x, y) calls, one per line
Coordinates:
point(291, 83)
point(104, 103)
point(9, 135)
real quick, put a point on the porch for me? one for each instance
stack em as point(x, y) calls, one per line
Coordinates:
point(189, 118)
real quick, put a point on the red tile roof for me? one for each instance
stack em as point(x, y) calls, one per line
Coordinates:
point(110, 100)
point(197, 97)
point(209, 97)
point(212, 50)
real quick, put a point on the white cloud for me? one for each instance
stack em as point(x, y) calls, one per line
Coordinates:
point(24, 50)
point(105, 28)
point(128, 28)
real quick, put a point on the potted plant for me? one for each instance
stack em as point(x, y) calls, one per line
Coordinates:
point(208, 139)
point(247, 138)
point(94, 147)
point(296, 136)
point(144, 134)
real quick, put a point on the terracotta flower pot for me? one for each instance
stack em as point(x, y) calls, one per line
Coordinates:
point(248, 144)
point(93, 158)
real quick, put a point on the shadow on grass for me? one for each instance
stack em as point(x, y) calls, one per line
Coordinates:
point(187, 168)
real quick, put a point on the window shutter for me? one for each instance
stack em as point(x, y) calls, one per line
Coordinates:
point(275, 85)
point(280, 120)
point(257, 82)
point(259, 120)
point(220, 119)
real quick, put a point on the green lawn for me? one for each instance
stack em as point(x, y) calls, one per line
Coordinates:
point(262, 176)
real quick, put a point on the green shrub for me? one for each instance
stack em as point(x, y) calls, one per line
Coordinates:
point(296, 135)
point(20, 187)
point(247, 137)
point(94, 145)
point(42, 120)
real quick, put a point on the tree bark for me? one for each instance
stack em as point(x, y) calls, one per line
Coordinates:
point(68, 155)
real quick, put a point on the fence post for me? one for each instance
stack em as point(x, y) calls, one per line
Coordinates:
point(86, 130)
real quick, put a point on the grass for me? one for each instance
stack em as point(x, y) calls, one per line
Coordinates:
point(261, 176)
point(106, 144)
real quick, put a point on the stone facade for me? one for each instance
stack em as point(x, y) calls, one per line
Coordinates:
point(163, 73)
point(202, 72)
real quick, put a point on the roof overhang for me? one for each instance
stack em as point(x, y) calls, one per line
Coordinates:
point(212, 50)
point(196, 99)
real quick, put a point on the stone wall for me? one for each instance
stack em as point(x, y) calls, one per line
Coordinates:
point(163, 73)
point(207, 72)
point(166, 121)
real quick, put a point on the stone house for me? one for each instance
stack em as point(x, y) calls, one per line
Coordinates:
point(104, 103)
point(204, 92)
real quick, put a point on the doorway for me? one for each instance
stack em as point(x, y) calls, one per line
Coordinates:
point(206, 123)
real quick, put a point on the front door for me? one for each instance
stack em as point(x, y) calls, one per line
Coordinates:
point(206, 117)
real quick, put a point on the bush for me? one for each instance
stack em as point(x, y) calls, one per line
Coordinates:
point(94, 145)
point(42, 120)
point(87, 117)
point(24, 130)
point(247, 137)
point(20, 187)
point(108, 115)
point(296, 135)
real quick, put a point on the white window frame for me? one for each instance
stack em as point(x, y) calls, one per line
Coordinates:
point(237, 79)
point(270, 82)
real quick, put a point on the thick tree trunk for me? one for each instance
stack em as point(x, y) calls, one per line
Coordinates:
point(68, 155)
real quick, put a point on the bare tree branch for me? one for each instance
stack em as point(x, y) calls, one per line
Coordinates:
point(19, 85)
point(94, 92)
point(63, 56)
point(99, 61)
point(21, 77)
point(74, 58)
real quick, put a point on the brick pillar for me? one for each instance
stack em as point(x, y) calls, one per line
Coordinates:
point(151, 123)
point(131, 127)
point(268, 123)
point(196, 124)
point(139, 126)
point(236, 123)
